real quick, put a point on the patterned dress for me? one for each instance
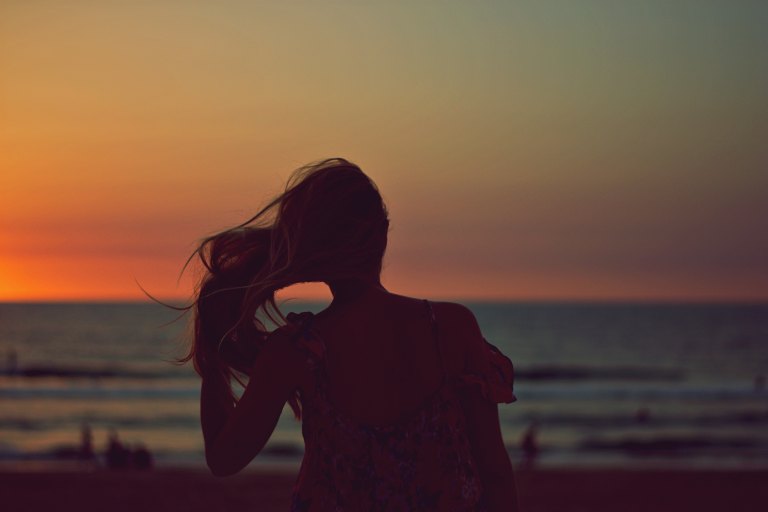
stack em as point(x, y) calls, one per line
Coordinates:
point(423, 462)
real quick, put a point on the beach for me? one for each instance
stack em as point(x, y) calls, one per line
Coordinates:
point(545, 490)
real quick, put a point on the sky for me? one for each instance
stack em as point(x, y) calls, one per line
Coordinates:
point(527, 150)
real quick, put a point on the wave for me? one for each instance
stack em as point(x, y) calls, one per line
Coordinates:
point(188, 388)
point(614, 373)
point(273, 451)
point(639, 392)
point(80, 372)
point(100, 393)
point(191, 421)
point(530, 373)
point(671, 444)
point(644, 417)
point(74, 422)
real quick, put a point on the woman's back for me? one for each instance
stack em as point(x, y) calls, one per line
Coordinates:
point(383, 357)
point(384, 424)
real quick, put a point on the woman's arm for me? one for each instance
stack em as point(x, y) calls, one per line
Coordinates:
point(235, 434)
point(491, 455)
point(482, 415)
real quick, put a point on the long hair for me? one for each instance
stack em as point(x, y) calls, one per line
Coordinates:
point(330, 223)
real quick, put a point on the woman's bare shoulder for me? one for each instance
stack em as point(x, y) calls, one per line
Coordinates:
point(456, 317)
point(450, 316)
point(458, 332)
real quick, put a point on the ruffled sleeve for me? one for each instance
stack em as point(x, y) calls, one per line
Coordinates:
point(496, 382)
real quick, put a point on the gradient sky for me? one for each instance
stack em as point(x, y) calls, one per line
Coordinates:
point(526, 150)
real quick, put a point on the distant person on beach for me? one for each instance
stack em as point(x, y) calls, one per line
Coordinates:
point(142, 458)
point(11, 362)
point(529, 445)
point(117, 456)
point(397, 396)
point(86, 442)
point(759, 383)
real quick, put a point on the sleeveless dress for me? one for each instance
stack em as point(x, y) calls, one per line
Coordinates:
point(422, 462)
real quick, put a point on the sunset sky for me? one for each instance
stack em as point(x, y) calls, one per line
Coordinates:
point(585, 150)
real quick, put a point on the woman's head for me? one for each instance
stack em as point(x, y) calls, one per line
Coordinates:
point(329, 224)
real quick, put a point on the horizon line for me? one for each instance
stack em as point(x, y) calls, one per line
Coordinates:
point(477, 300)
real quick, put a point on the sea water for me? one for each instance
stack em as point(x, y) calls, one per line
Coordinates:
point(627, 385)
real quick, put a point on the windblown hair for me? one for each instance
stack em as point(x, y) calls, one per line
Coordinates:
point(330, 223)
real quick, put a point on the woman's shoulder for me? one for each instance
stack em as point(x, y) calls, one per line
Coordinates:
point(453, 320)
point(456, 320)
point(458, 312)
point(484, 366)
point(456, 332)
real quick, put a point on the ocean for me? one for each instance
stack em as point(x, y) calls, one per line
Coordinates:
point(605, 384)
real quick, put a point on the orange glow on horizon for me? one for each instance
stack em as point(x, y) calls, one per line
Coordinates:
point(109, 279)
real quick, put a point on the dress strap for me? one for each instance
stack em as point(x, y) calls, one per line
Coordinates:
point(435, 335)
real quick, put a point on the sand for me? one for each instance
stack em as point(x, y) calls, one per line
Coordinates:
point(540, 490)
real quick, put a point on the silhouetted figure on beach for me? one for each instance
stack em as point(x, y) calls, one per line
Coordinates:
point(117, 455)
point(142, 458)
point(759, 383)
point(86, 442)
point(398, 396)
point(11, 362)
point(529, 445)
point(642, 415)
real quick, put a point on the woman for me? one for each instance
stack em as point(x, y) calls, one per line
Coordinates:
point(397, 396)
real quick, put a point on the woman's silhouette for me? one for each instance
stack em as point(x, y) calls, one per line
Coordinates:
point(397, 396)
